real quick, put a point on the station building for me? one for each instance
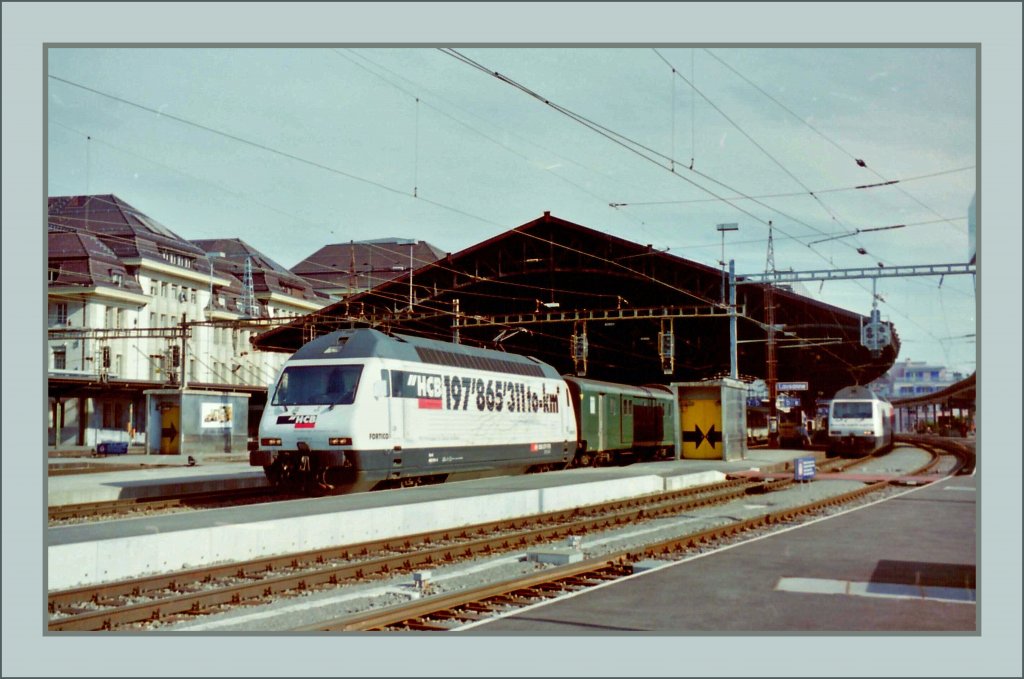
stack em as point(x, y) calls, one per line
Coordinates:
point(907, 379)
point(120, 286)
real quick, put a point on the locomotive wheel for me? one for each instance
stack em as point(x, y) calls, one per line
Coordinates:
point(285, 475)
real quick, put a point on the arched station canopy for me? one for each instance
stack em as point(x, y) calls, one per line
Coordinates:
point(962, 395)
point(530, 290)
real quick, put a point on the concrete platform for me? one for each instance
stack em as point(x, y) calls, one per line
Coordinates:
point(907, 564)
point(102, 552)
point(138, 476)
point(143, 480)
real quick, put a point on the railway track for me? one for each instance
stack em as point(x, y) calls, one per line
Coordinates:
point(121, 507)
point(449, 612)
point(453, 611)
point(203, 590)
point(212, 589)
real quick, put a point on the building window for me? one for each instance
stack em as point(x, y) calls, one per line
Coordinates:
point(117, 279)
point(152, 289)
point(60, 313)
point(192, 296)
point(113, 414)
point(163, 289)
point(152, 319)
point(60, 358)
point(51, 275)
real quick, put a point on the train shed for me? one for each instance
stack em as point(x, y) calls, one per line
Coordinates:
point(949, 411)
point(593, 304)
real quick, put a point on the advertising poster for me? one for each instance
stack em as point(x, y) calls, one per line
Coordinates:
point(216, 416)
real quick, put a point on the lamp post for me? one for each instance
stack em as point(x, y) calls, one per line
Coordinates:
point(209, 258)
point(722, 228)
point(209, 303)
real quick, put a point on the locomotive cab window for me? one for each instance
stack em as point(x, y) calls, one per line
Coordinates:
point(852, 410)
point(318, 385)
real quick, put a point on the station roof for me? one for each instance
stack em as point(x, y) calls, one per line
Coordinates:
point(361, 265)
point(962, 394)
point(530, 289)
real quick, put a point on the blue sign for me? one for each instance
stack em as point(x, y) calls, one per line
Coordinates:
point(803, 469)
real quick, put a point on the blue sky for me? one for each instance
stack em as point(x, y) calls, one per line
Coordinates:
point(294, 148)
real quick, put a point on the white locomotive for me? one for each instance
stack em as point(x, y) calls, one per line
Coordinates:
point(359, 409)
point(860, 422)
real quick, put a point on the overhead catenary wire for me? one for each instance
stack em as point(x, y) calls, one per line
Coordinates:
point(268, 149)
point(645, 152)
point(510, 133)
point(637, 148)
point(750, 138)
point(635, 203)
point(860, 162)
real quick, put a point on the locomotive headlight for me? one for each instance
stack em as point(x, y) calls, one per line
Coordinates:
point(339, 441)
point(868, 432)
point(270, 442)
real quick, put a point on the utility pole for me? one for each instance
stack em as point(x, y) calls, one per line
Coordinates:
point(769, 310)
point(455, 321)
point(733, 356)
point(184, 344)
point(249, 305)
point(352, 280)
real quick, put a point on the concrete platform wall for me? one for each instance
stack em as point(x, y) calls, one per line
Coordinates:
point(78, 564)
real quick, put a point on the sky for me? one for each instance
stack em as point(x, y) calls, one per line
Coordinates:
point(295, 148)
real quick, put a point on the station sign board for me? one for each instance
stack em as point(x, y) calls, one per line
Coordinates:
point(791, 386)
point(803, 469)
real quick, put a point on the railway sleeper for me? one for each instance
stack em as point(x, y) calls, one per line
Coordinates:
point(425, 627)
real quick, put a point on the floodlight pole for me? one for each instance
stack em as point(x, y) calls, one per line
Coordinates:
point(722, 228)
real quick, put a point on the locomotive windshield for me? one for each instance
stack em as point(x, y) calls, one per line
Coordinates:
point(317, 385)
point(851, 410)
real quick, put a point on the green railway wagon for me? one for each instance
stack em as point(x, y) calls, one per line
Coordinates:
point(618, 423)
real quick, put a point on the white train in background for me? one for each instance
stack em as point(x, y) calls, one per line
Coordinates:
point(860, 422)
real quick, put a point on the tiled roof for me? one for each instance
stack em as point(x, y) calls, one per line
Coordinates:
point(267, 275)
point(127, 231)
point(364, 264)
point(82, 259)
